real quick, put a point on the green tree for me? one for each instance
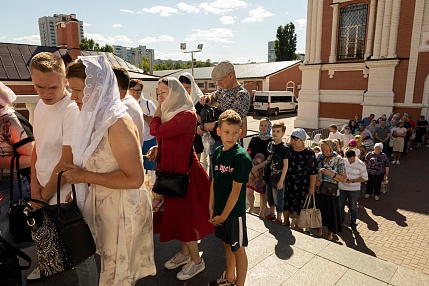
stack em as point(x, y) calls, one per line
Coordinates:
point(285, 44)
point(145, 64)
point(88, 44)
point(106, 48)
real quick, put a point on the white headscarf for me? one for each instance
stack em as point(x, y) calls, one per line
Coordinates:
point(101, 108)
point(177, 100)
point(7, 97)
point(196, 92)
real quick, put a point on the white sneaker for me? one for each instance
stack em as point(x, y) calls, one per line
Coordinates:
point(35, 275)
point(367, 196)
point(177, 260)
point(393, 162)
point(397, 162)
point(190, 270)
point(222, 281)
point(377, 198)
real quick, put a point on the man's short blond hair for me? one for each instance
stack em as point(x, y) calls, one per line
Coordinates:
point(48, 62)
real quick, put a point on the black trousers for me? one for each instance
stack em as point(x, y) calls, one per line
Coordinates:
point(374, 184)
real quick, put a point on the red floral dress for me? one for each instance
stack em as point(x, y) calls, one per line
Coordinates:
point(184, 219)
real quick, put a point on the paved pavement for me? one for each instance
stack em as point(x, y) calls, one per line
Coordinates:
point(391, 247)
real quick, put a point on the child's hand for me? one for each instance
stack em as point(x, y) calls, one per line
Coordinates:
point(255, 170)
point(217, 220)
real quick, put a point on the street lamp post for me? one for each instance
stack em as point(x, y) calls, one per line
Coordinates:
point(199, 48)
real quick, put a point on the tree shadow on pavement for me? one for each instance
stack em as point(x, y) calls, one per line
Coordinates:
point(284, 237)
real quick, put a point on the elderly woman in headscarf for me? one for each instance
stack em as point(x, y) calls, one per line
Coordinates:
point(187, 218)
point(108, 173)
point(331, 170)
point(188, 82)
point(360, 146)
point(16, 136)
point(300, 177)
point(258, 145)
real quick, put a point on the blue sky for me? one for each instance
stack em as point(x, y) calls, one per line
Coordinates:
point(238, 30)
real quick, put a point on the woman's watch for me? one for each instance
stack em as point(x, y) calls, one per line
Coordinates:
point(202, 127)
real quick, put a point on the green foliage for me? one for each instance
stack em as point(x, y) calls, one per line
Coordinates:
point(285, 45)
point(145, 64)
point(178, 65)
point(88, 44)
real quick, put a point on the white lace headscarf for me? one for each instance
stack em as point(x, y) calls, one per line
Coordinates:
point(7, 97)
point(101, 108)
point(177, 100)
point(196, 92)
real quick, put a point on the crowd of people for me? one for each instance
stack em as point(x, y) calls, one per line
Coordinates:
point(106, 136)
point(93, 124)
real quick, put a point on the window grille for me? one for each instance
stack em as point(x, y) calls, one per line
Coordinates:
point(352, 32)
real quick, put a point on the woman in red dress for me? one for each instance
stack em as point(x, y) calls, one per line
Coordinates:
point(185, 219)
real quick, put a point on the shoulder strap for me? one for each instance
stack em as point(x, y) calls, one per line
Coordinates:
point(22, 143)
point(14, 163)
point(147, 105)
point(10, 248)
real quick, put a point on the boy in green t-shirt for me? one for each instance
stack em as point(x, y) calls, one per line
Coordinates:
point(231, 165)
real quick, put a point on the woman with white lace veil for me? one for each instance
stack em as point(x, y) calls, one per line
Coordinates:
point(188, 82)
point(185, 219)
point(108, 173)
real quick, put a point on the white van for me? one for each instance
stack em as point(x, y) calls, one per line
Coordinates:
point(274, 102)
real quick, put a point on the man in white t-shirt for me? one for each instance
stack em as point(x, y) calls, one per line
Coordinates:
point(356, 173)
point(148, 108)
point(334, 134)
point(130, 102)
point(54, 117)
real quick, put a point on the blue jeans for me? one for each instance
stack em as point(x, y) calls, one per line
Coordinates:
point(87, 273)
point(275, 196)
point(353, 197)
point(148, 165)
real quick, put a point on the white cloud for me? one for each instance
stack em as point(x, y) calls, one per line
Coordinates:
point(163, 11)
point(127, 11)
point(28, 39)
point(102, 40)
point(86, 24)
point(227, 20)
point(301, 23)
point(117, 26)
point(222, 6)
point(213, 35)
point(162, 38)
point(257, 15)
point(172, 56)
point(2, 37)
point(188, 8)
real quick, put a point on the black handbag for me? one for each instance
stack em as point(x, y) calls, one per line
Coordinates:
point(328, 189)
point(10, 269)
point(171, 184)
point(61, 235)
point(18, 226)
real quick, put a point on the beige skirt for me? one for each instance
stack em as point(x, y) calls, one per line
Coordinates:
point(398, 144)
